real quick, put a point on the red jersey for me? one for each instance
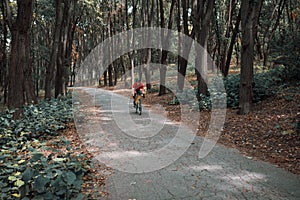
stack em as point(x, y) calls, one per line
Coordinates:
point(139, 86)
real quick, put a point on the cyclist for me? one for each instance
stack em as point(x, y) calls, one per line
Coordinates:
point(137, 89)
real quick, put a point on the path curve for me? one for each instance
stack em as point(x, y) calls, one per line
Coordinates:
point(223, 174)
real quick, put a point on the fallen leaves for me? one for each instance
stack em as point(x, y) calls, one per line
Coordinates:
point(93, 178)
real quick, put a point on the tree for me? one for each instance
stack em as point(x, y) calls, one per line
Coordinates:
point(3, 52)
point(148, 17)
point(249, 21)
point(269, 27)
point(225, 69)
point(53, 55)
point(202, 11)
point(64, 50)
point(186, 48)
point(20, 85)
point(230, 27)
point(165, 44)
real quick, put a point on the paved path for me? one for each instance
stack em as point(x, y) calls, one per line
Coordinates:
point(223, 174)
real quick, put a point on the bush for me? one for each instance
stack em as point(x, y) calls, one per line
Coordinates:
point(34, 175)
point(265, 85)
point(232, 84)
point(286, 51)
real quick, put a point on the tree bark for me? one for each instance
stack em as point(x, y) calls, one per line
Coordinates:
point(20, 64)
point(3, 55)
point(61, 62)
point(202, 15)
point(149, 17)
point(54, 50)
point(165, 44)
point(231, 46)
point(110, 50)
point(248, 9)
point(269, 34)
point(186, 48)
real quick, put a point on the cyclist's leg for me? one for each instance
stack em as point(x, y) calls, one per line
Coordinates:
point(136, 104)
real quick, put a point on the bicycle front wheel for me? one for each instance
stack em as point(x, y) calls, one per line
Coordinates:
point(140, 106)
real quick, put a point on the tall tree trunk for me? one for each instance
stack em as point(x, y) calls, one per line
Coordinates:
point(186, 48)
point(227, 33)
point(30, 96)
point(131, 38)
point(61, 68)
point(3, 55)
point(20, 58)
point(231, 46)
point(202, 24)
point(165, 44)
point(54, 49)
point(248, 9)
point(110, 50)
point(149, 16)
point(269, 34)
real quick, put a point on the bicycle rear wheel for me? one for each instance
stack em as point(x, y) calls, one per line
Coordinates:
point(140, 106)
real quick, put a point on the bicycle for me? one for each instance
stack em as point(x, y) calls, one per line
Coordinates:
point(138, 103)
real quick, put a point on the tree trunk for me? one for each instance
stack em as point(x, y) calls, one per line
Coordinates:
point(186, 48)
point(227, 34)
point(30, 96)
point(269, 34)
point(16, 77)
point(149, 16)
point(61, 64)
point(231, 46)
point(202, 24)
point(3, 55)
point(110, 50)
point(20, 58)
point(163, 58)
point(165, 44)
point(248, 9)
point(53, 55)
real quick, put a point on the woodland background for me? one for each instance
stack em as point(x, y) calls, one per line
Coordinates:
point(44, 42)
point(255, 44)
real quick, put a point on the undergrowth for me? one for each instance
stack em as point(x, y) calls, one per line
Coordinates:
point(26, 171)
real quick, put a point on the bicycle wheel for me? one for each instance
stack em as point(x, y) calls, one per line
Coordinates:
point(136, 106)
point(140, 106)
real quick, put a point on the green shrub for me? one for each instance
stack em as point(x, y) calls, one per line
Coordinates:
point(35, 175)
point(265, 85)
point(286, 51)
point(204, 102)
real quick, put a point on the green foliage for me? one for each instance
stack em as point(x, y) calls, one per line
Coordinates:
point(232, 84)
point(188, 97)
point(286, 51)
point(40, 177)
point(265, 85)
point(47, 117)
point(36, 175)
point(205, 102)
